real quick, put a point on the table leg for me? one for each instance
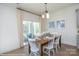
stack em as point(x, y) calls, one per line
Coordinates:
point(41, 50)
point(29, 48)
point(60, 42)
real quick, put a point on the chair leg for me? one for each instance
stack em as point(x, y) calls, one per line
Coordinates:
point(56, 48)
point(34, 54)
point(53, 52)
point(37, 53)
point(49, 53)
point(30, 54)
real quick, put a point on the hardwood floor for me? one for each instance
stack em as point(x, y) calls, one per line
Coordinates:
point(66, 50)
point(18, 52)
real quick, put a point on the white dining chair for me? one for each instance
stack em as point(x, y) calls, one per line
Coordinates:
point(34, 48)
point(48, 48)
point(56, 42)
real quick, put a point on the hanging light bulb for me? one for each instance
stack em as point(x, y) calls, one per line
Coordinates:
point(46, 14)
point(43, 16)
point(46, 11)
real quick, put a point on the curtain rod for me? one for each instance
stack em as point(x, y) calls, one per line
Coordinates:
point(28, 11)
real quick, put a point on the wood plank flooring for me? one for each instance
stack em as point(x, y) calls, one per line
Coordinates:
point(66, 50)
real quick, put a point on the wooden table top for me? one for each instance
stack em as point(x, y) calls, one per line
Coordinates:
point(42, 41)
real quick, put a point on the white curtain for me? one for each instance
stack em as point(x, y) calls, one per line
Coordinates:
point(20, 26)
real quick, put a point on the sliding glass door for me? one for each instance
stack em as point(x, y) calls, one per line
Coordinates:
point(36, 26)
point(30, 27)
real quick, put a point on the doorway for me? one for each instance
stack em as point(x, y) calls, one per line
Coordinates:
point(30, 28)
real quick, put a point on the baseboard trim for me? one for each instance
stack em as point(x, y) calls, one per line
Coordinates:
point(69, 45)
point(10, 51)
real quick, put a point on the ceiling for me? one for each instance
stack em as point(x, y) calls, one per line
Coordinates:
point(39, 8)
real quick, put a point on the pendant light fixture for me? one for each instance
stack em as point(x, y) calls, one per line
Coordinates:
point(46, 14)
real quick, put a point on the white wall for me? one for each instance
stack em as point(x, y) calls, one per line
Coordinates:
point(8, 28)
point(69, 32)
point(9, 36)
point(30, 17)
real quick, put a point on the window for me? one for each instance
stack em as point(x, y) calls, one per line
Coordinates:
point(36, 27)
point(30, 27)
point(26, 27)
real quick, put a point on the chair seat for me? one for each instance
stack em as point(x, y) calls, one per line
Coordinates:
point(50, 38)
point(34, 49)
point(31, 39)
point(49, 47)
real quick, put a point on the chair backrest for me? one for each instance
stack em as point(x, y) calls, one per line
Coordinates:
point(30, 35)
point(38, 36)
point(32, 44)
point(51, 42)
point(57, 39)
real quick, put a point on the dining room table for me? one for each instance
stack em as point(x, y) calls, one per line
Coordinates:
point(43, 41)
